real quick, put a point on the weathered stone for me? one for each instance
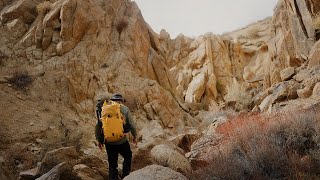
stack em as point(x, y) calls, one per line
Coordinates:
point(83, 172)
point(54, 157)
point(30, 174)
point(55, 172)
point(155, 172)
point(305, 92)
point(316, 91)
point(96, 164)
point(287, 73)
point(314, 56)
point(17, 27)
point(23, 9)
point(196, 88)
point(166, 156)
point(152, 130)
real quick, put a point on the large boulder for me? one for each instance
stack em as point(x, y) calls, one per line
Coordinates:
point(83, 172)
point(55, 172)
point(280, 92)
point(155, 172)
point(166, 156)
point(151, 131)
point(196, 88)
point(22, 9)
point(57, 156)
point(96, 164)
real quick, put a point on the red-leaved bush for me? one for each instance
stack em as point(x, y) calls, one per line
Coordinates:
point(278, 146)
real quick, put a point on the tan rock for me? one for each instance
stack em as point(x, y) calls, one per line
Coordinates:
point(155, 172)
point(316, 91)
point(96, 164)
point(17, 27)
point(55, 172)
point(314, 56)
point(83, 172)
point(152, 130)
point(166, 156)
point(23, 9)
point(196, 88)
point(287, 73)
point(305, 92)
point(57, 156)
point(30, 174)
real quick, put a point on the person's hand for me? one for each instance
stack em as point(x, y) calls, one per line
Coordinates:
point(100, 146)
point(134, 141)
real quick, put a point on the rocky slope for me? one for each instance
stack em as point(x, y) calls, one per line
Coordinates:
point(58, 57)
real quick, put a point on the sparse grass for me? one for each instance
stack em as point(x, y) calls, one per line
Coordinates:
point(279, 146)
point(237, 93)
point(122, 25)
point(44, 7)
point(20, 80)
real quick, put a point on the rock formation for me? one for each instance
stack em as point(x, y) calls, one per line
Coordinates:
point(57, 57)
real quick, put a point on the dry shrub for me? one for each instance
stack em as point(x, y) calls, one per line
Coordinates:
point(237, 93)
point(279, 146)
point(20, 80)
point(121, 26)
point(44, 7)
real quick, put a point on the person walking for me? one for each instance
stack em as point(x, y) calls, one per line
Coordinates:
point(115, 142)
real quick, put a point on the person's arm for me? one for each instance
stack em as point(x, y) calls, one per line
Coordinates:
point(132, 125)
point(98, 132)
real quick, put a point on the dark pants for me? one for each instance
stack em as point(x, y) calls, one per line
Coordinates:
point(113, 152)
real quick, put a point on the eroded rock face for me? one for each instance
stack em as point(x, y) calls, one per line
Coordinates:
point(166, 156)
point(293, 36)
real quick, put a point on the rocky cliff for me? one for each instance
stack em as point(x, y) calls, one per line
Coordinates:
point(57, 57)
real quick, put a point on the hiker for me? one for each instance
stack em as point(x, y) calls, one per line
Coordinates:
point(115, 142)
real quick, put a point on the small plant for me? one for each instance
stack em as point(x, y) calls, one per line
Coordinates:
point(44, 7)
point(121, 26)
point(20, 80)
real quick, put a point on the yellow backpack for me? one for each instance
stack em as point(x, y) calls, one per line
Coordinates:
point(112, 121)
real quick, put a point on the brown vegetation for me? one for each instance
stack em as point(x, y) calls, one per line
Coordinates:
point(20, 80)
point(279, 146)
point(44, 7)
